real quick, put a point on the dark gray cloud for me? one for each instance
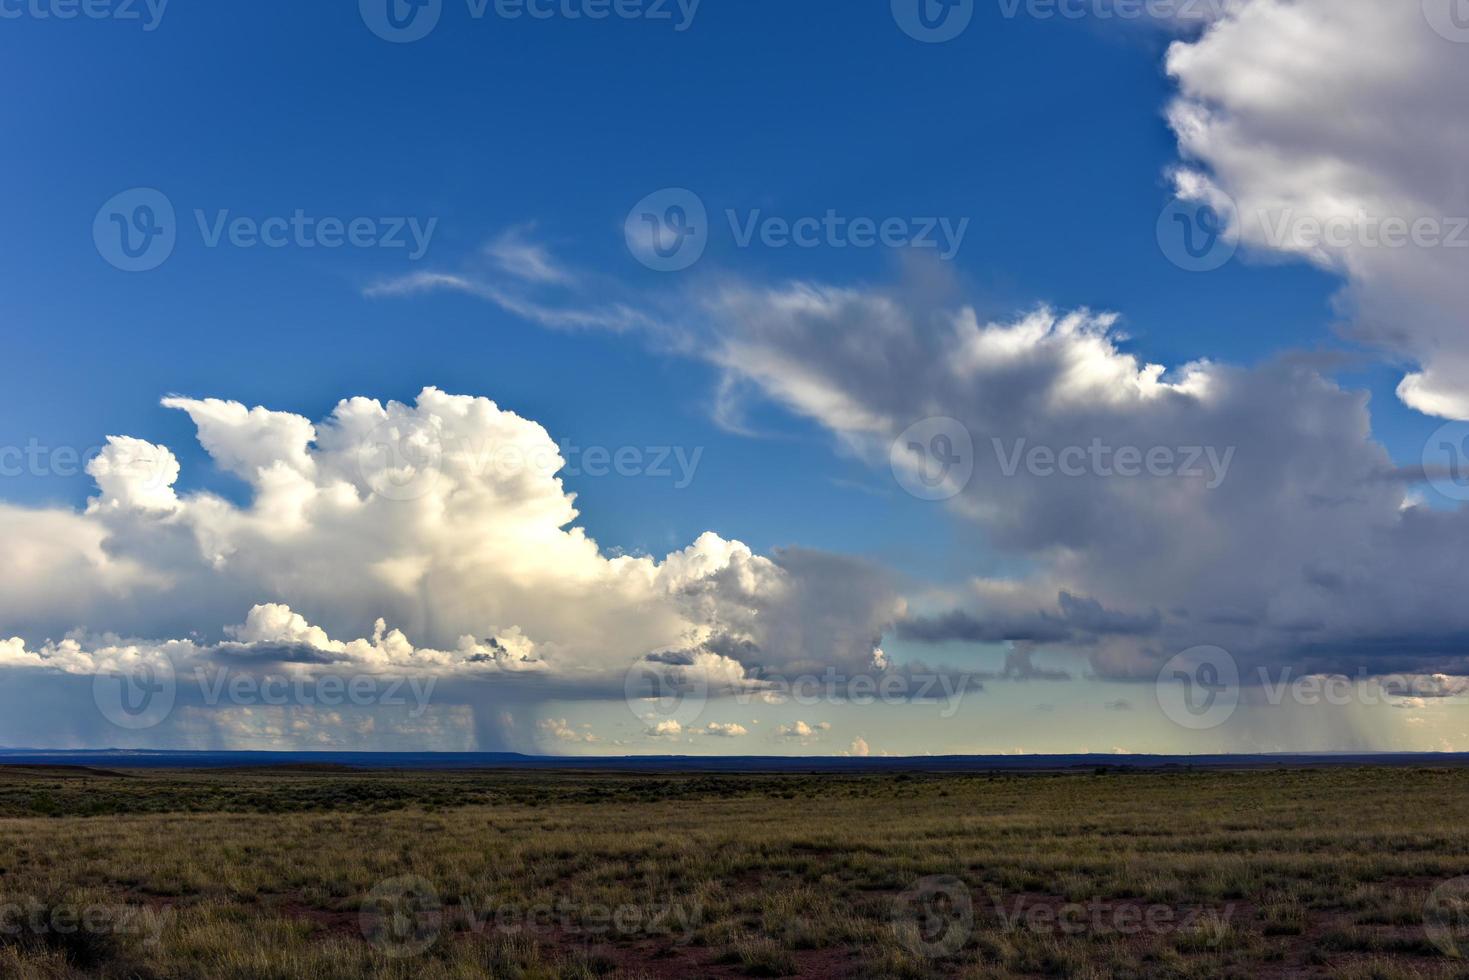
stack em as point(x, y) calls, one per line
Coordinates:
point(270, 654)
point(1306, 549)
point(1077, 620)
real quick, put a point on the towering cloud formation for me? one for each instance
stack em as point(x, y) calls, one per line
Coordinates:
point(1256, 511)
point(1347, 114)
point(441, 529)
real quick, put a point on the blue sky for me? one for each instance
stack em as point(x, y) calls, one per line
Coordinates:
point(1050, 137)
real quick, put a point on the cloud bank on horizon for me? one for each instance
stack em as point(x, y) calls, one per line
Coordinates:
point(446, 519)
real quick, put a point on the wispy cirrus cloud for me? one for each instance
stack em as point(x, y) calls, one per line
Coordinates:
point(520, 256)
point(616, 317)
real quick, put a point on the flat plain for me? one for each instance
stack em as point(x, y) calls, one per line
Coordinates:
point(338, 873)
